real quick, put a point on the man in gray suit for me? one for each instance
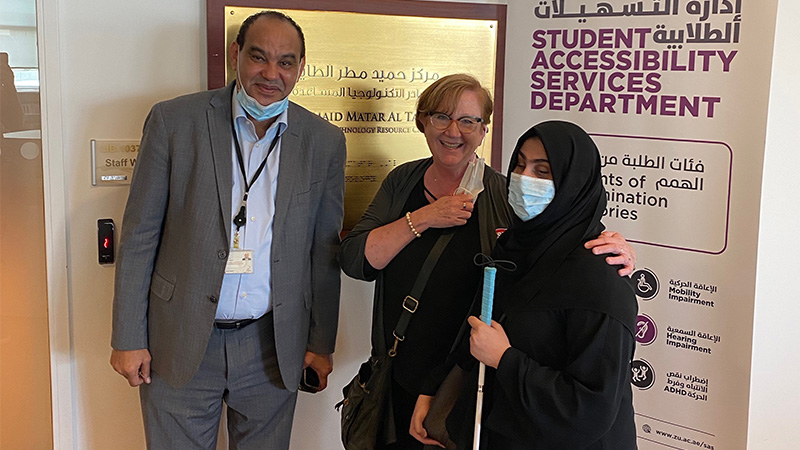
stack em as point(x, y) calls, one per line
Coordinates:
point(227, 284)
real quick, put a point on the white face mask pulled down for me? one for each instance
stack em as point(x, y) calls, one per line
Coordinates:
point(472, 181)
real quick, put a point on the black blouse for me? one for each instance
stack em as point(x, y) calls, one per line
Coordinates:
point(444, 302)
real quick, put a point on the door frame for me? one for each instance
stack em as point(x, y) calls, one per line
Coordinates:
point(55, 216)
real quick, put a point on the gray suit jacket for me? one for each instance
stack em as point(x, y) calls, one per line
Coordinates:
point(177, 226)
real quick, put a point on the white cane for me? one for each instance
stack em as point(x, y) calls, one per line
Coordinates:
point(486, 316)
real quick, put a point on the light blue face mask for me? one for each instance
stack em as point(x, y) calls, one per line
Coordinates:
point(529, 196)
point(258, 111)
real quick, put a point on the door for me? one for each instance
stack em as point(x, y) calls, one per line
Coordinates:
point(25, 401)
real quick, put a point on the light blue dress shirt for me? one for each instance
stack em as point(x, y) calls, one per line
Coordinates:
point(247, 296)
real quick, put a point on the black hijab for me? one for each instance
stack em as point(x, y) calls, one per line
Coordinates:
point(548, 249)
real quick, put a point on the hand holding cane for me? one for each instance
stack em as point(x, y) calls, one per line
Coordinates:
point(489, 273)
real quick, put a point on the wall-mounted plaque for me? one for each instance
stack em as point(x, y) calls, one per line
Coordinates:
point(113, 161)
point(365, 70)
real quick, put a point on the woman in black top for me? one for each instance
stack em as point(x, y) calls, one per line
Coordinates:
point(414, 206)
point(563, 349)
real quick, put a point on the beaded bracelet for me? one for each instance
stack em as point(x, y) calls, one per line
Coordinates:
point(411, 225)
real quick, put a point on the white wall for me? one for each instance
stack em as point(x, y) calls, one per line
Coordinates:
point(116, 58)
point(774, 402)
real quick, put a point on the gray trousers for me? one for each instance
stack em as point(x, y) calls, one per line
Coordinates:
point(239, 367)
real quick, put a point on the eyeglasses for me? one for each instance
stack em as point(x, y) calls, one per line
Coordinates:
point(465, 124)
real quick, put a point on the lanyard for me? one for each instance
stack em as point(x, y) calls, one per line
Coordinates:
point(241, 219)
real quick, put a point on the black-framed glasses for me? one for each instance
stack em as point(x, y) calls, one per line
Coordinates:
point(465, 124)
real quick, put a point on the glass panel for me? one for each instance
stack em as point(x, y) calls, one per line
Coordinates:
point(25, 406)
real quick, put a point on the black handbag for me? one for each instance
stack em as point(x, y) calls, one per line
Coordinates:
point(365, 403)
point(441, 405)
point(367, 413)
point(448, 393)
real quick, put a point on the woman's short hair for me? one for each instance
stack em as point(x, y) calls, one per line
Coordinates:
point(443, 96)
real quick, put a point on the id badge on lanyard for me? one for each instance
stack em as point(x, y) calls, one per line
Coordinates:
point(241, 261)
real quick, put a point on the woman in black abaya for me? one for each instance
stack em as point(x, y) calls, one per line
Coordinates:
point(563, 347)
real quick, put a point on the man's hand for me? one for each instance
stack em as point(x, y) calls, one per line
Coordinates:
point(320, 363)
point(132, 364)
point(611, 242)
point(420, 412)
point(487, 343)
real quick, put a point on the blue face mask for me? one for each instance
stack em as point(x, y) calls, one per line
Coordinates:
point(529, 196)
point(258, 111)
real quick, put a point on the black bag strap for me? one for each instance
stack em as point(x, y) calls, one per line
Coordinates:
point(411, 302)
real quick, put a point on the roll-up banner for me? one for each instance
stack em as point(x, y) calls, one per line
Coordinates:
point(674, 93)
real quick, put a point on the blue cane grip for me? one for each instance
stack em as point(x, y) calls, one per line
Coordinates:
point(488, 294)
